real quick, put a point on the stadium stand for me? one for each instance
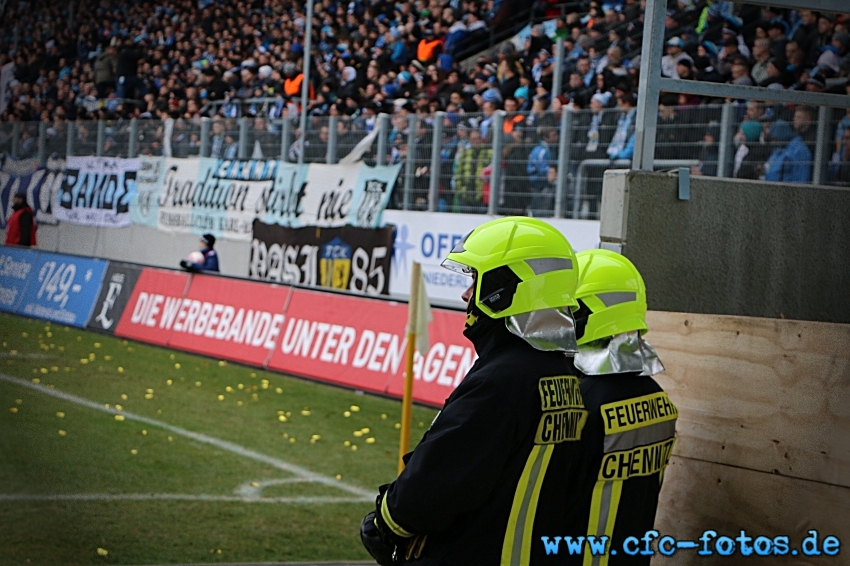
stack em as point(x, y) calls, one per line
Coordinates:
point(227, 59)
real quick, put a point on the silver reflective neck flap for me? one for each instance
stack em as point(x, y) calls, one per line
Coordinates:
point(623, 353)
point(549, 330)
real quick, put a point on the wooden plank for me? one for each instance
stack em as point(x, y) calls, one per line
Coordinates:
point(764, 394)
point(697, 496)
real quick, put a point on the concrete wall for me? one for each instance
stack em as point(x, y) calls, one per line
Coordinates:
point(736, 247)
point(138, 244)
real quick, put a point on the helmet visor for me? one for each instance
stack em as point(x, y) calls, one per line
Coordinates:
point(457, 267)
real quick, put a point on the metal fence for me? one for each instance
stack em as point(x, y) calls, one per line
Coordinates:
point(537, 163)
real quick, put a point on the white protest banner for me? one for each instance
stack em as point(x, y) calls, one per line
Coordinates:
point(427, 237)
point(224, 197)
point(96, 191)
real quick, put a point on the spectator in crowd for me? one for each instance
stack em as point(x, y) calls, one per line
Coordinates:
point(761, 56)
point(790, 161)
point(540, 160)
point(622, 144)
point(468, 180)
point(749, 154)
point(839, 165)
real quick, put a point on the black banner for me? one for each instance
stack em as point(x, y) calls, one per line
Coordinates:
point(118, 283)
point(346, 258)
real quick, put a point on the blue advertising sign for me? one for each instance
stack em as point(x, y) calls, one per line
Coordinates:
point(62, 288)
point(16, 267)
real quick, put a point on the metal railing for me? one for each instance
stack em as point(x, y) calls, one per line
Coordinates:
point(541, 164)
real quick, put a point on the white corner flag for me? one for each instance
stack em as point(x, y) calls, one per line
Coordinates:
point(420, 311)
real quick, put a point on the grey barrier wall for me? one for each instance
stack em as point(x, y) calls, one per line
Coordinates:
point(138, 244)
point(735, 247)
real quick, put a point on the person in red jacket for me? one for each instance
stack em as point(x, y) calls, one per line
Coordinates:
point(20, 229)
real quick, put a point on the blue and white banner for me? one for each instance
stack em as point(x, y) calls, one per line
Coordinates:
point(16, 266)
point(224, 197)
point(61, 288)
point(97, 191)
point(40, 183)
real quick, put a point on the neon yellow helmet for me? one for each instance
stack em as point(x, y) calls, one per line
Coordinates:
point(523, 265)
point(612, 294)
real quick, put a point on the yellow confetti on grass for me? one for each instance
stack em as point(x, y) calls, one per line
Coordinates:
point(170, 439)
point(91, 357)
point(84, 361)
point(358, 433)
point(144, 432)
point(255, 484)
point(36, 380)
point(119, 408)
point(102, 552)
point(354, 447)
point(134, 451)
point(370, 440)
point(346, 414)
point(305, 413)
point(60, 414)
point(397, 425)
point(347, 443)
point(19, 401)
point(281, 418)
point(177, 365)
point(240, 386)
point(221, 397)
point(97, 344)
point(13, 409)
point(169, 382)
point(383, 416)
point(62, 433)
point(119, 417)
point(228, 389)
point(148, 396)
point(43, 370)
point(292, 439)
point(253, 374)
point(124, 397)
point(222, 363)
point(197, 384)
point(365, 430)
point(120, 369)
point(339, 476)
point(278, 390)
point(171, 356)
point(354, 408)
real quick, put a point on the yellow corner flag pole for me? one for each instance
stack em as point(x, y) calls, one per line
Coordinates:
point(407, 400)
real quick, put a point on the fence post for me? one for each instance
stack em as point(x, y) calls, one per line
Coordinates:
point(436, 143)
point(16, 139)
point(498, 129)
point(410, 164)
point(330, 158)
point(69, 142)
point(819, 166)
point(205, 137)
point(565, 142)
point(101, 138)
point(285, 136)
point(383, 126)
point(132, 150)
point(724, 152)
point(242, 151)
point(42, 144)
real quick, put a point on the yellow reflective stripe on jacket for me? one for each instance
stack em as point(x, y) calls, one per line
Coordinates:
point(603, 516)
point(516, 550)
point(385, 513)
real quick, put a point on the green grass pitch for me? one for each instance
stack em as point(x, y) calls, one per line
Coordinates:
point(283, 471)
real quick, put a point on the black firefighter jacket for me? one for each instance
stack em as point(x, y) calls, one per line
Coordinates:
point(527, 450)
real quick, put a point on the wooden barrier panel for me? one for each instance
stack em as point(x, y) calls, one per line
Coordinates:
point(763, 436)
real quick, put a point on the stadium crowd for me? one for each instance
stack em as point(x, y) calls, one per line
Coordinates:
point(135, 59)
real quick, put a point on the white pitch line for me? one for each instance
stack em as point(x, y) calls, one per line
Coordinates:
point(363, 494)
point(173, 497)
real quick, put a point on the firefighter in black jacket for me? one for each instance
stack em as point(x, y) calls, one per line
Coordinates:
point(469, 493)
point(629, 434)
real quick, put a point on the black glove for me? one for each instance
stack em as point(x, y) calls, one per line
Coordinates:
point(380, 546)
point(184, 264)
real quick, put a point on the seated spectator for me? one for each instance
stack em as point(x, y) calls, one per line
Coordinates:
point(751, 150)
point(761, 56)
point(541, 163)
point(675, 53)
